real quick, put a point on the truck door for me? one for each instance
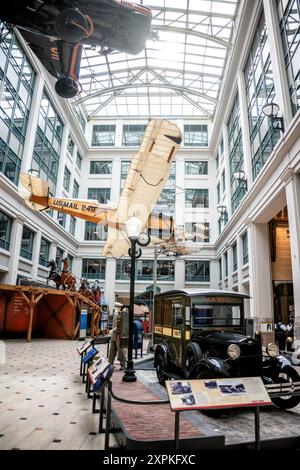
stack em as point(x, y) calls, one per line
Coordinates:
point(178, 329)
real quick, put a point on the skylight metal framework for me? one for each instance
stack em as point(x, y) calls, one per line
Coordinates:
point(177, 75)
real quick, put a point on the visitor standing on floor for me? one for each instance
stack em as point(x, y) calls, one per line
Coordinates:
point(115, 345)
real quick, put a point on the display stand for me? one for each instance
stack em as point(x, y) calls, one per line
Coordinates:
point(214, 394)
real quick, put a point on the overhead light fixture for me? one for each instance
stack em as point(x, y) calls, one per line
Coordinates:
point(271, 110)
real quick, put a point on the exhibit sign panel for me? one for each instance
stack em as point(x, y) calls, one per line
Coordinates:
point(97, 369)
point(217, 393)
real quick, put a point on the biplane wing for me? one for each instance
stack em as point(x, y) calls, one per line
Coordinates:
point(174, 248)
point(148, 174)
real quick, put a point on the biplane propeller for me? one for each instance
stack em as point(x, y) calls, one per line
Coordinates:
point(147, 175)
point(56, 30)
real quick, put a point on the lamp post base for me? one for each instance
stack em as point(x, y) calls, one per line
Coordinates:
point(129, 373)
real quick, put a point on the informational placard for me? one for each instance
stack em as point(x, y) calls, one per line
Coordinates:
point(97, 369)
point(89, 356)
point(20, 306)
point(266, 327)
point(217, 393)
point(103, 378)
point(84, 347)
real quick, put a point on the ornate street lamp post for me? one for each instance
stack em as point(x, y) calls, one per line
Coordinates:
point(133, 227)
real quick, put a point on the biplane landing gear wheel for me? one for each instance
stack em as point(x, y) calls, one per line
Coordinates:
point(71, 25)
point(67, 87)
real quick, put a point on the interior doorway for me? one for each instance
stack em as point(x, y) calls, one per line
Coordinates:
point(281, 262)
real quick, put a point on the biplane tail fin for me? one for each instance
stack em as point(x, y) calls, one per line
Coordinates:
point(37, 191)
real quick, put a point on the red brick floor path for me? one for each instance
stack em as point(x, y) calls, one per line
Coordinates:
point(146, 422)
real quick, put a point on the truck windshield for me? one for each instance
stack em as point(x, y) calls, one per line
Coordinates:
point(216, 315)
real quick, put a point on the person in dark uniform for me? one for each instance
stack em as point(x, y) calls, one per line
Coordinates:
point(280, 334)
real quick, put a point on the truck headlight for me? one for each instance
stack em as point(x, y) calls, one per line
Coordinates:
point(272, 350)
point(234, 351)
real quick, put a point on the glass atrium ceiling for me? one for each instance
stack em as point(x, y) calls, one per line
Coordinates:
point(178, 74)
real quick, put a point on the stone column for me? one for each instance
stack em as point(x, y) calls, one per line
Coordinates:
point(36, 254)
point(292, 190)
point(15, 246)
point(179, 274)
point(260, 274)
point(214, 274)
point(227, 172)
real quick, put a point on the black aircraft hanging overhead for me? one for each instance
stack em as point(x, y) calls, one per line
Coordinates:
point(56, 30)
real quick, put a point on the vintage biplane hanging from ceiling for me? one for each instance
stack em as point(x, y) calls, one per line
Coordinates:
point(147, 175)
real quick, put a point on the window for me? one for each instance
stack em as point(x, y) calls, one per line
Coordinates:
point(196, 168)
point(197, 271)
point(196, 198)
point(70, 260)
point(72, 225)
point(101, 168)
point(226, 264)
point(221, 148)
point(95, 231)
point(100, 194)
point(67, 176)
point(125, 164)
point(133, 134)
point(70, 146)
point(75, 189)
point(93, 268)
point(245, 248)
point(59, 257)
point(289, 16)
point(165, 270)
point(143, 270)
point(17, 79)
point(47, 143)
point(80, 118)
point(27, 243)
point(236, 155)
point(78, 160)
point(259, 90)
point(103, 135)
point(234, 257)
point(62, 217)
point(44, 252)
point(5, 231)
point(172, 175)
point(220, 269)
point(200, 229)
point(218, 193)
point(223, 181)
point(195, 135)
point(166, 202)
point(177, 314)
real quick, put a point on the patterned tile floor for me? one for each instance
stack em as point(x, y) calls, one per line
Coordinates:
point(43, 404)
